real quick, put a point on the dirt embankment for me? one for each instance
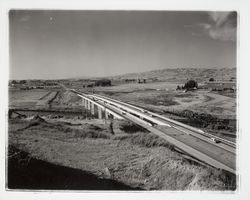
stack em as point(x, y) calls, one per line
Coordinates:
point(118, 153)
point(66, 99)
point(47, 99)
point(206, 120)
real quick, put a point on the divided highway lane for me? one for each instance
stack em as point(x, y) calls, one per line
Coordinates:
point(202, 149)
point(205, 138)
point(214, 151)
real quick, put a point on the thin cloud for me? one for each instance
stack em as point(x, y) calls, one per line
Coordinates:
point(220, 26)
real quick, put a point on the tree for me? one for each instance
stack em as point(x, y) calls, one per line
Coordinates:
point(23, 82)
point(211, 79)
point(14, 82)
point(191, 84)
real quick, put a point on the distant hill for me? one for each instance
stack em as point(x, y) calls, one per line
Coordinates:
point(182, 74)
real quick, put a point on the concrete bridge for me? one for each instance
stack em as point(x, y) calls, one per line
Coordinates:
point(203, 146)
point(101, 109)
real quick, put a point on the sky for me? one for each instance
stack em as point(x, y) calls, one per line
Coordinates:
point(53, 44)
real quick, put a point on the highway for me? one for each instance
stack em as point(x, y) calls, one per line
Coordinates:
point(205, 147)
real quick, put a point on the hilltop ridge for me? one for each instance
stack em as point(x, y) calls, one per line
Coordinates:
point(182, 74)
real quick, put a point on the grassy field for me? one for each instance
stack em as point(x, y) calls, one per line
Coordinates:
point(22, 98)
point(30, 98)
point(135, 158)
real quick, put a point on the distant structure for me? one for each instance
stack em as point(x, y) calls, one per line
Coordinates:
point(229, 86)
point(103, 82)
point(91, 84)
point(130, 80)
point(143, 80)
point(33, 84)
point(96, 83)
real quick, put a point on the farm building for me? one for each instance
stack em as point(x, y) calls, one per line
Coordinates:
point(220, 86)
point(103, 82)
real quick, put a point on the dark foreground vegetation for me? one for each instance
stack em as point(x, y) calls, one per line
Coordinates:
point(25, 172)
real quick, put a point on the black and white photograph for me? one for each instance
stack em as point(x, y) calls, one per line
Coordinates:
point(122, 100)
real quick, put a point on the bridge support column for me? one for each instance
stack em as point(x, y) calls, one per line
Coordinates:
point(92, 108)
point(85, 103)
point(99, 113)
point(89, 104)
point(106, 114)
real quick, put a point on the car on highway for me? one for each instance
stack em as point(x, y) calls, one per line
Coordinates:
point(215, 140)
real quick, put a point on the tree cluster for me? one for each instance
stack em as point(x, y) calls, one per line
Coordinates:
point(191, 84)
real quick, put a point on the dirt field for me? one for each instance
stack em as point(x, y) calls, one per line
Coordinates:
point(165, 94)
point(30, 98)
point(69, 144)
